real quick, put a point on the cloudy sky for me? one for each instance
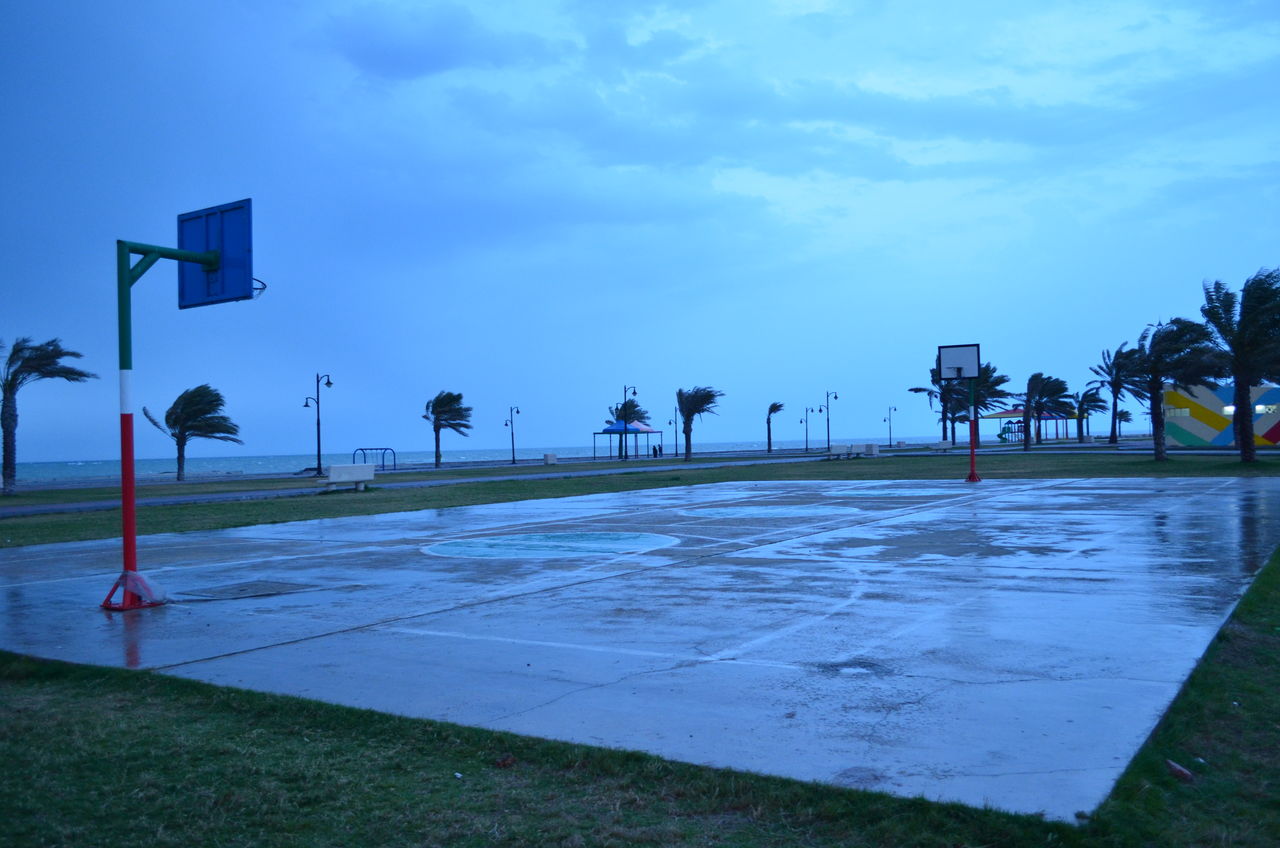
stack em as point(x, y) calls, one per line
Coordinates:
point(537, 203)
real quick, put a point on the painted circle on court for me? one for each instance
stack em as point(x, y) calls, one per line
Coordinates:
point(551, 545)
point(782, 511)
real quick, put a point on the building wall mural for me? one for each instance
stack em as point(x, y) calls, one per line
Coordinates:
point(1202, 416)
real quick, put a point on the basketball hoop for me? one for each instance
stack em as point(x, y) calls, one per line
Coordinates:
point(259, 288)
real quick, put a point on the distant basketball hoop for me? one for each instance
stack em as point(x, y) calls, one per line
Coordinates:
point(964, 362)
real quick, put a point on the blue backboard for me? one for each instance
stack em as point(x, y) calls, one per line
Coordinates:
point(228, 230)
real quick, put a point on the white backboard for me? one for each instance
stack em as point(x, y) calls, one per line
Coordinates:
point(958, 362)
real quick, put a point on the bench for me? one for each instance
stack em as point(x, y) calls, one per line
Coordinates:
point(853, 451)
point(356, 475)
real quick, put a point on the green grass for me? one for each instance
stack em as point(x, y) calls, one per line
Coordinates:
point(62, 527)
point(96, 756)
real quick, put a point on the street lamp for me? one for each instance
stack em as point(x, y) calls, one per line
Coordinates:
point(830, 397)
point(892, 410)
point(805, 421)
point(622, 414)
point(512, 412)
point(306, 404)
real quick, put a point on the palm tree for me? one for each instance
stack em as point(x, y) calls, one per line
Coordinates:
point(1179, 352)
point(446, 412)
point(1246, 330)
point(691, 404)
point(774, 407)
point(951, 397)
point(1118, 374)
point(1086, 402)
point(27, 363)
point(1044, 396)
point(628, 412)
point(196, 414)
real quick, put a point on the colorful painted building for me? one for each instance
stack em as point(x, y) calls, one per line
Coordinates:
point(1202, 416)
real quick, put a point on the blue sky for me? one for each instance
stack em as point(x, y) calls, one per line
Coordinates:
point(535, 203)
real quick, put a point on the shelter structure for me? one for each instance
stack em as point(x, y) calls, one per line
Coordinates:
point(634, 429)
point(1011, 428)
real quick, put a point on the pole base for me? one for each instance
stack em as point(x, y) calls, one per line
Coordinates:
point(973, 478)
point(135, 593)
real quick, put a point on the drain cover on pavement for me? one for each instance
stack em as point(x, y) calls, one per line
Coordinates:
point(250, 589)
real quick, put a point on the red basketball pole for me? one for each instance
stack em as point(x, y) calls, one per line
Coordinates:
point(973, 434)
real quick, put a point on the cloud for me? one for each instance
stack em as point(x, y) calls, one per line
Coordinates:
point(403, 43)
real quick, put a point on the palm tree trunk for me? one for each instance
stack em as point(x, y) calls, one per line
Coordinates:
point(1026, 427)
point(1242, 419)
point(688, 441)
point(182, 459)
point(9, 424)
point(1115, 419)
point(437, 431)
point(768, 429)
point(1080, 427)
point(1156, 388)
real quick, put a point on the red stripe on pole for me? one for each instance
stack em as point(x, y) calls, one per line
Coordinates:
point(128, 503)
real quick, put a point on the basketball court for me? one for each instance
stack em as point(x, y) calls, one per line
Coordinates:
point(1009, 643)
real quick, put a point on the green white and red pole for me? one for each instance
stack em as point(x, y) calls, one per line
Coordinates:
point(126, 276)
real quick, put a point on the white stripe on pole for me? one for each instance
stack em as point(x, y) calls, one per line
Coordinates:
point(126, 391)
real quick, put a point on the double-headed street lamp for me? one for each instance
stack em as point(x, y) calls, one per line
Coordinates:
point(512, 412)
point(306, 404)
point(830, 397)
point(892, 410)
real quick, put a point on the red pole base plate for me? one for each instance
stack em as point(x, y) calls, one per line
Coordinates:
point(128, 600)
point(973, 478)
point(124, 606)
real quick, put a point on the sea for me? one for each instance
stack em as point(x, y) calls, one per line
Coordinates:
point(107, 471)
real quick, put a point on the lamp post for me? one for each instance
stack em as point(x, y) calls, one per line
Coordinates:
point(622, 414)
point(892, 410)
point(830, 397)
point(306, 404)
point(805, 421)
point(512, 412)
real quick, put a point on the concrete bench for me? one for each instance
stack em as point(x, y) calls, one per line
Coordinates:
point(853, 451)
point(337, 475)
point(942, 446)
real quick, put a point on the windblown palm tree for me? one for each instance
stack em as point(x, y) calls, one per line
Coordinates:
point(1246, 330)
point(196, 414)
point(1086, 402)
point(951, 397)
point(1181, 353)
point(1045, 395)
point(27, 363)
point(1118, 374)
point(628, 412)
point(691, 404)
point(774, 408)
point(446, 412)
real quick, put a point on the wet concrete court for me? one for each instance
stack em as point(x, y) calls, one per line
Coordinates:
point(1009, 643)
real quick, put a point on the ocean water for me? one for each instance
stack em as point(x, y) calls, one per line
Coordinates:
point(153, 470)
